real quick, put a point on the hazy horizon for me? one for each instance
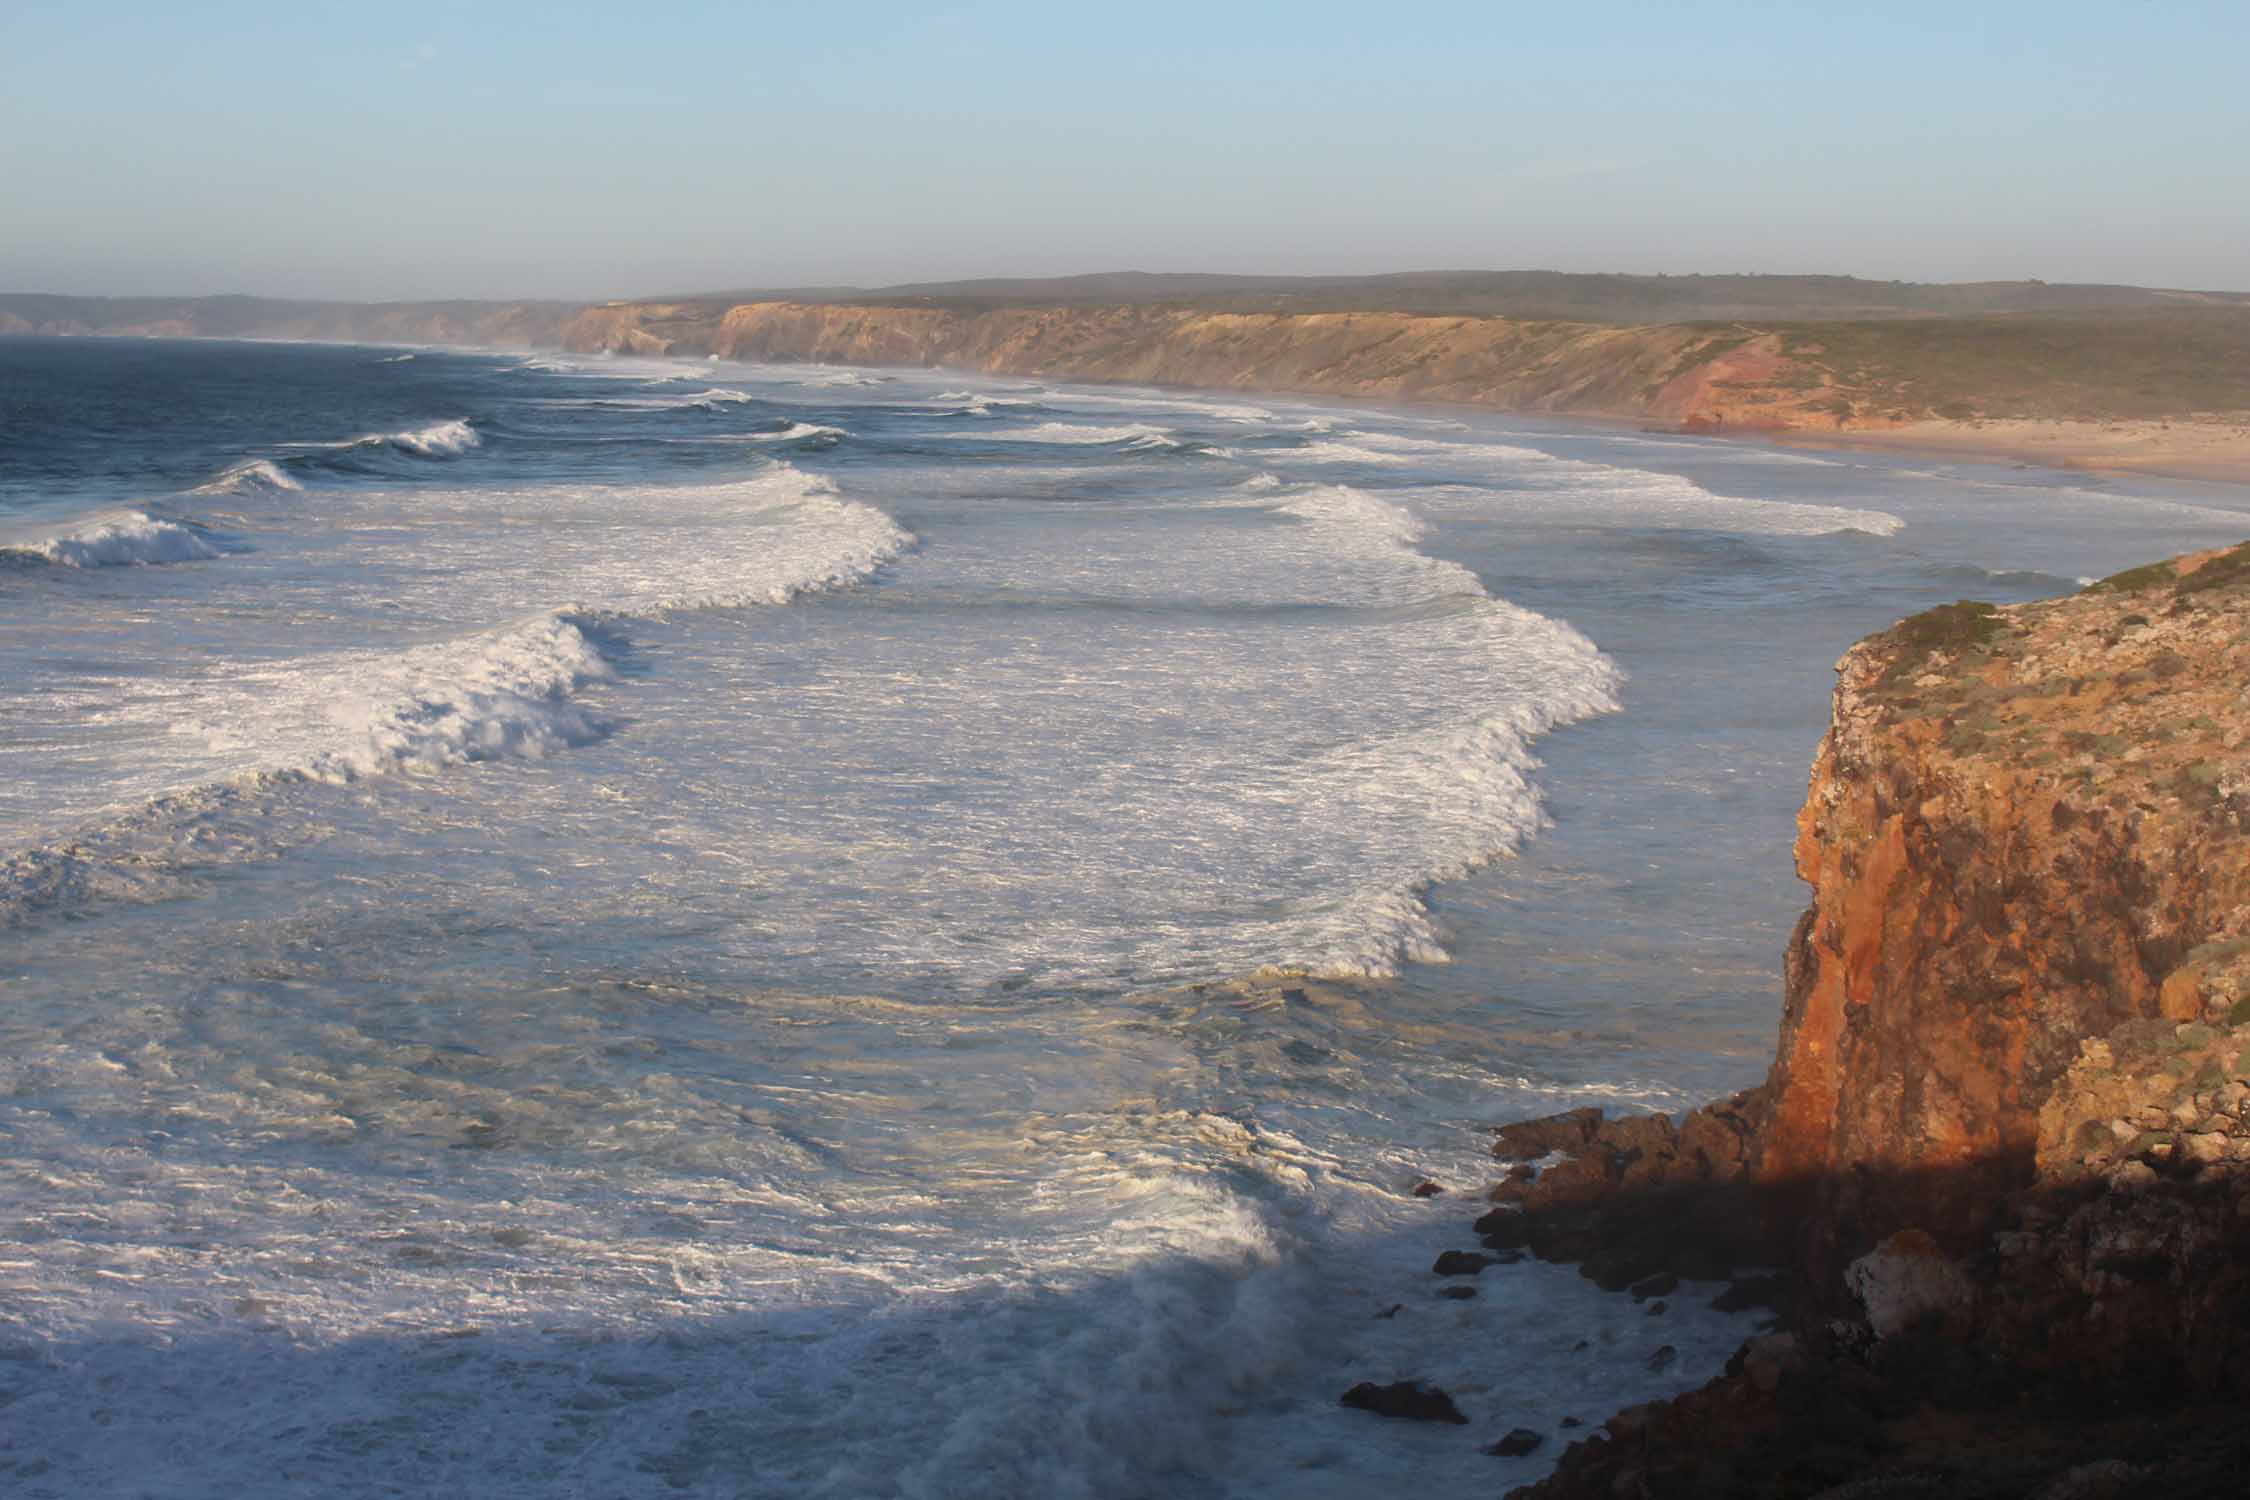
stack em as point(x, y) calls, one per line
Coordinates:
point(581, 154)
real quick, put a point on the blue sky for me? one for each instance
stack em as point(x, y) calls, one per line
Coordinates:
point(557, 149)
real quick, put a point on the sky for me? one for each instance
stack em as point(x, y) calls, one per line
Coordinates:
point(502, 149)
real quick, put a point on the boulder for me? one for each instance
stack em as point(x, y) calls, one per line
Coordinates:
point(1406, 1400)
point(1516, 1444)
point(1567, 1131)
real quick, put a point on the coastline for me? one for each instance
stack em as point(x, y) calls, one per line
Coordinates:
point(2203, 449)
point(2208, 452)
point(2003, 1154)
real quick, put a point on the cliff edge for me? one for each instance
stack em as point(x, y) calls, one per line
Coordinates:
point(2004, 1147)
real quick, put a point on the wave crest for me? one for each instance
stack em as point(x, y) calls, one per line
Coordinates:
point(245, 478)
point(120, 539)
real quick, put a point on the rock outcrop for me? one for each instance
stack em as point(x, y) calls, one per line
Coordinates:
point(2004, 1148)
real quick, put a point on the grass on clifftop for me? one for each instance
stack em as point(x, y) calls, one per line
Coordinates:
point(2229, 567)
point(2104, 366)
point(1963, 624)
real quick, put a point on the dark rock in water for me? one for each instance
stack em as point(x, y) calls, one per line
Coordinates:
point(1663, 1357)
point(1460, 1263)
point(1409, 1400)
point(1585, 1178)
point(1662, 1284)
point(1516, 1444)
point(1392, 1311)
point(1427, 1189)
point(1571, 1422)
point(1459, 1293)
point(1581, 1344)
point(1658, 1307)
point(1564, 1132)
point(1296, 997)
point(1754, 1291)
point(1505, 1229)
point(1522, 1171)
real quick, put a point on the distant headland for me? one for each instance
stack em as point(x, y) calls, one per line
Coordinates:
point(2091, 376)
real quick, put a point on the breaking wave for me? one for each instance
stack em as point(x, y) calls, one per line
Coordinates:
point(117, 539)
point(245, 478)
point(1138, 436)
point(439, 440)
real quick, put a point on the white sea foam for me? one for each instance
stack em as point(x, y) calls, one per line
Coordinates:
point(438, 440)
point(115, 539)
point(1137, 436)
point(396, 359)
point(1553, 488)
point(794, 432)
point(1463, 772)
point(1333, 453)
point(843, 378)
point(507, 693)
point(576, 565)
point(1216, 410)
point(245, 478)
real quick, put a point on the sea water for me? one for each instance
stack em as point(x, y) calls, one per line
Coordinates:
point(609, 927)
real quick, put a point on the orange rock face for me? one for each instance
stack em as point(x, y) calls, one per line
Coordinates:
point(2024, 828)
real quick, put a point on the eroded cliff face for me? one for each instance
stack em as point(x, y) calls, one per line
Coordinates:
point(1707, 378)
point(2004, 1147)
point(2025, 828)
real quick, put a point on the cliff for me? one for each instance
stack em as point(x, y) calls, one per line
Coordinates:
point(2095, 377)
point(1669, 371)
point(2025, 829)
point(2004, 1147)
point(2164, 388)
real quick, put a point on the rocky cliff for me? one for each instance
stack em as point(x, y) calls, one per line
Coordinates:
point(2025, 829)
point(2159, 382)
point(1701, 375)
point(2004, 1147)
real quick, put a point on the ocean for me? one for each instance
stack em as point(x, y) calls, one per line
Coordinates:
point(604, 927)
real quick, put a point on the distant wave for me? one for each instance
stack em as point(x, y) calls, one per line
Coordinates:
point(716, 398)
point(1138, 436)
point(795, 432)
point(117, 539)
point(1334, 453)
point(396, 359)
point(439, 440)
point(983, 403)
point(246, 478)
point(1216, 410)
point(843, 378)
point(1550, 487)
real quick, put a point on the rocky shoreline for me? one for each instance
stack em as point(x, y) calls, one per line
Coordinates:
point(2002, 1158)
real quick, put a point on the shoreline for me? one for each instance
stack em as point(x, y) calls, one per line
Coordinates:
point(2193, 449)
point(2204, 452)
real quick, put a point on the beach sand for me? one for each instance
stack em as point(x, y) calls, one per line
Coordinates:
point(2215, 450)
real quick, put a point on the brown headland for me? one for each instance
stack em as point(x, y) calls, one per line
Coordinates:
point(2003, 1151)
point(2094, 377)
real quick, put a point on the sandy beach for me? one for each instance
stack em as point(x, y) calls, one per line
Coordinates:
point(2215, 450)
